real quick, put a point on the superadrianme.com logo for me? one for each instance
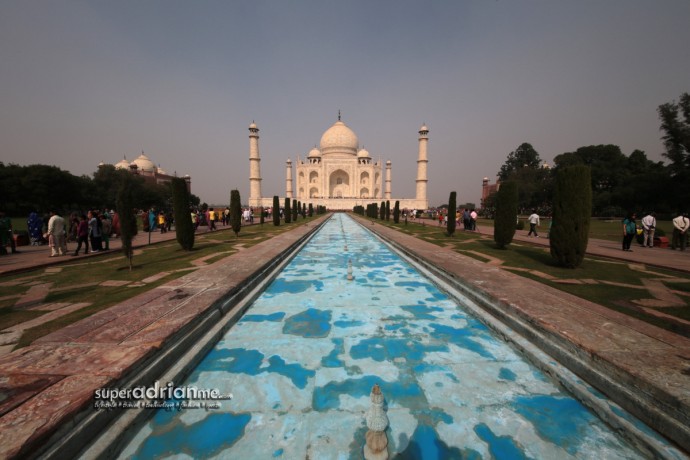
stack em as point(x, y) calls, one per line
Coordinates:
point(168, 397)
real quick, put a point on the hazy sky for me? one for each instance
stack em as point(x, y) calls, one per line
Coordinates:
point(88, 81)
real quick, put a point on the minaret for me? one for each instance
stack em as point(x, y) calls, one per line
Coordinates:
point(388, 180)
point(288, 179)
point(254, 167)
point(422, 164)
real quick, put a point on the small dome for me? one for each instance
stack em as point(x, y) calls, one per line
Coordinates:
point(314, 153)
point(161, 171)
point(252, 125)
point(424, 128)
point(339, 139)
point(144, 163)
point(363, 153)
point(122, 164)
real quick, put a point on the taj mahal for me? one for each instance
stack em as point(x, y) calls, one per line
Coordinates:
point(338, 174)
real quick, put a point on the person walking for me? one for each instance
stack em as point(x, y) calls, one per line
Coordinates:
point(56, 235)
point(6, 234)
point(648, 227)
point(82, 235)
point(106, 229)
point(680, 231)
point(533, 220)
point(94, 231)
point(629, 231)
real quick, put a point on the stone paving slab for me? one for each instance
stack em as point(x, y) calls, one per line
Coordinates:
point(35, 419)
point(73, 359)
point(17, 388)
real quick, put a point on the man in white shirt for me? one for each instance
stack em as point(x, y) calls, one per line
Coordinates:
point(680, 231)
point(56, 235)
point(648, 227)
point(533, 220)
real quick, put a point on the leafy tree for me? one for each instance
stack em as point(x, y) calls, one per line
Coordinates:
point(276, 210)
point(235, 212)
point(572, 210)
point(524, 167)
point(607, 164)
point(523, 157)
point(287, 211)
point(396, 212)
point(506, 214)
point(128, 223)
point(184, 229)
point(675, 123)
point(452, 207)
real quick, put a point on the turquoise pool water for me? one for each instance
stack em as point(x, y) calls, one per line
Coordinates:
point(302, 361)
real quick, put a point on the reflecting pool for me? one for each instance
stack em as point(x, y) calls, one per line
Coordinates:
point(301, 362)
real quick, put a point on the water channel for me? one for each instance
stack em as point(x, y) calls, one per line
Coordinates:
point(302, 360)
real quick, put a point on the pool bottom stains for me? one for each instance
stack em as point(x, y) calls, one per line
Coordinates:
point(210, 436)
point(302, 361)
point(310, 323)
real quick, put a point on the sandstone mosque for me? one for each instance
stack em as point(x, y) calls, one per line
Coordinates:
point(338, 175)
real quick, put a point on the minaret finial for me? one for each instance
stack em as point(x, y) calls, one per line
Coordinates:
point(338, 114)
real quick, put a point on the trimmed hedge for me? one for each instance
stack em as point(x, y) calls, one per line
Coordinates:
point(572, 211)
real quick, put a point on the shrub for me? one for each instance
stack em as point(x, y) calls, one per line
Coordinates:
point(184, 229)
point(572, 211)
point(520, 225)
point(128, 221)
point(506, 214)
point(452, 207)
point(276, 210)
point(235, 212)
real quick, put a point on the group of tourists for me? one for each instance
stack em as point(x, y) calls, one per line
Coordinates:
point(465, 217)
point(647, 228)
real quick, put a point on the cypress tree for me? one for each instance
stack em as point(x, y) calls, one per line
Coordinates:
point(287, 212)
point(396, 212)
point(311, 210)
point(572, 211)
point(506, 214)
point(235, 212)
point(295, 210)
point(304, 210)
point(382, 210)
point(261, 218)
point(388, 210)
point(276, 210)
point(184, 229)
point(128, 222)
point(452, 207)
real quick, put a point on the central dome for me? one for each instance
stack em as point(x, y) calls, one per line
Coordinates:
point(339, 139)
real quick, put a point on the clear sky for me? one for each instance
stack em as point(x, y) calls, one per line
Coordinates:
point(88, 81)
